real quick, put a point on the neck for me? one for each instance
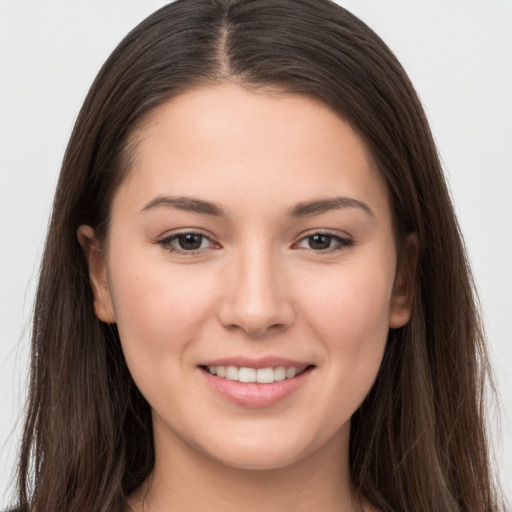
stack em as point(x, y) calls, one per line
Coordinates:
point(187, 479)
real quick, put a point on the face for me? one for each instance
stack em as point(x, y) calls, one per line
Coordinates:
point(251, 240)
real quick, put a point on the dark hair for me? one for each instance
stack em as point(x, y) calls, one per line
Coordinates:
point(418, 440)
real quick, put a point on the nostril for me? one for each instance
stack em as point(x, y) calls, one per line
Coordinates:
point(255, 298)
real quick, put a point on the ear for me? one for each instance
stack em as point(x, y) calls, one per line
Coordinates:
point(94, 255)
point(403, 290)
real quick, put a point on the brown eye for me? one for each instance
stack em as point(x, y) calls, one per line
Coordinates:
point(320, 242)
point(190, 241)
point(187, 243)
point(324, 242)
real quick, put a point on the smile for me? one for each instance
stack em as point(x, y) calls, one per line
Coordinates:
point(253, 387)
point(258, 375)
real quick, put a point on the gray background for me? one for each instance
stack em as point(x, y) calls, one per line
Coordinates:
point(458, 53)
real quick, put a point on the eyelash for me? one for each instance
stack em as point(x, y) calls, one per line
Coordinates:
point(167, 242)
point(341, 242)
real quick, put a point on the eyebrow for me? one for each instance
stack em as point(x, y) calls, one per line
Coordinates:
point(187, 204)
point(312, 208)
point(304, 209)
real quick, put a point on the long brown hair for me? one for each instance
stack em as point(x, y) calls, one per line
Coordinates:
point(418, 441)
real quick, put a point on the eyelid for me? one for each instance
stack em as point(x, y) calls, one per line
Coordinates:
point(166, 240)
point(345, 240)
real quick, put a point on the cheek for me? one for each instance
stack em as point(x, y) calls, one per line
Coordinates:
point(350, 314)
point(160, 313)
point(353, 303)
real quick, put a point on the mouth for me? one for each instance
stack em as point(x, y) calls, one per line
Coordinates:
point(255, 388)
point(247, 374)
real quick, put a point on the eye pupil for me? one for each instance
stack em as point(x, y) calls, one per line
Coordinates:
point(190, 241)
point(319, 242)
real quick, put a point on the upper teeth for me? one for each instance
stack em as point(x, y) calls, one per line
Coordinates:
point(260, 375)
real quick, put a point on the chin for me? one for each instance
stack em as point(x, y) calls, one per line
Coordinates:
point(264, 452)
point(257, 460)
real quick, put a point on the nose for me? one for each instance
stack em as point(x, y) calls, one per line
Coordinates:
point(256, 297)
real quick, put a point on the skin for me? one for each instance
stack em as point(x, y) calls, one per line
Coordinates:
point(255, 287)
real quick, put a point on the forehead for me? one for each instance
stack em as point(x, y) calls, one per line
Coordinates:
point(232, 144)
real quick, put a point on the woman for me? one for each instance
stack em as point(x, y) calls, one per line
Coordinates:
point(254, 285)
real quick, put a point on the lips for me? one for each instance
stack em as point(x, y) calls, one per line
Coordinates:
point(255, 383)
point(256, 362)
